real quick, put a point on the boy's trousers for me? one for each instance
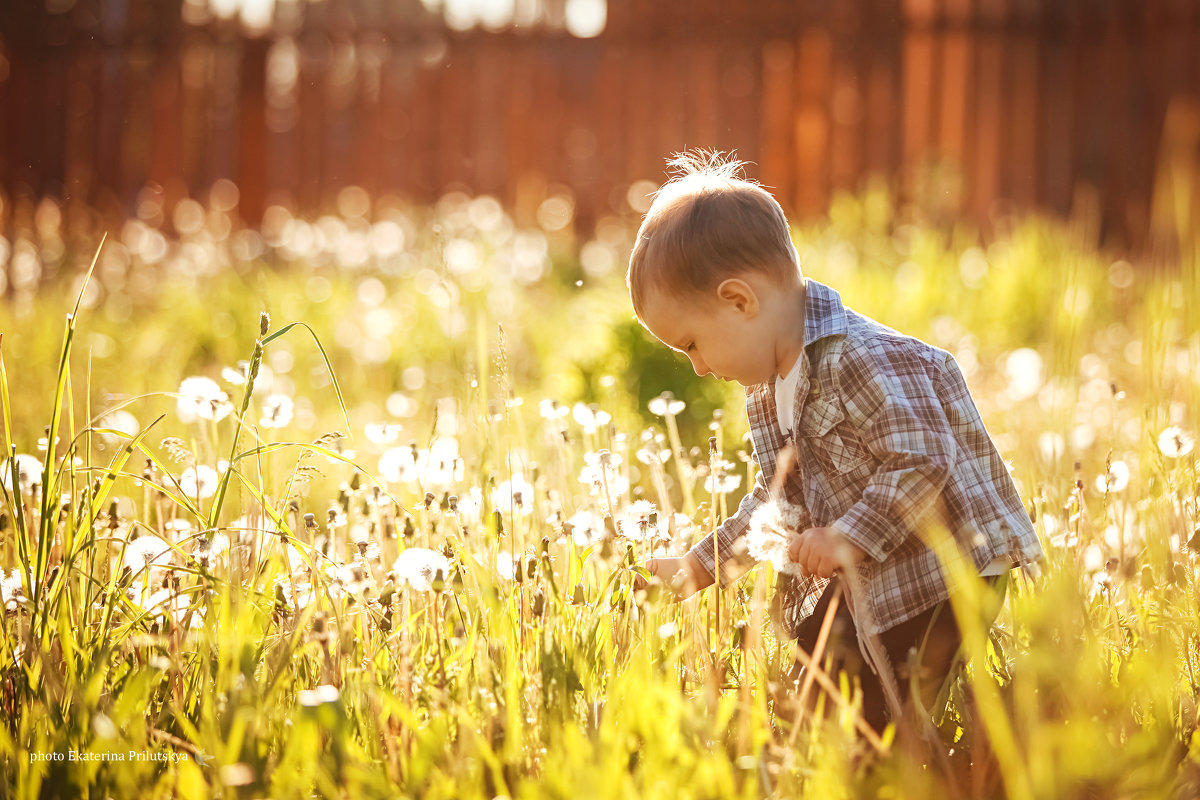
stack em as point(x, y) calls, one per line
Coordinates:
point(934, 634)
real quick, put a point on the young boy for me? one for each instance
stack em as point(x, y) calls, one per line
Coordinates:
point(886, 439)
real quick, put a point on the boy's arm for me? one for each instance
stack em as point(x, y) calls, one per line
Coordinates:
point(733, 564)
point(891, 399)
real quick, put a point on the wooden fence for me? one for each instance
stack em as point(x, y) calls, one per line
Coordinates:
point(968, 106)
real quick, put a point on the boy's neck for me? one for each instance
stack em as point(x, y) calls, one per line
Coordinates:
point(789, 343)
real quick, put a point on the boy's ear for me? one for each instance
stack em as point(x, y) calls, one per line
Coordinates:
point(738, 294)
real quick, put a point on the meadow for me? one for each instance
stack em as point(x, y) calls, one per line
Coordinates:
point(354, 506)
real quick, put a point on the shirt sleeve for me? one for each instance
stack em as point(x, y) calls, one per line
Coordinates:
point(889, 393)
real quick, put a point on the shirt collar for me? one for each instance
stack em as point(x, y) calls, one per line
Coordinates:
point(824, 314)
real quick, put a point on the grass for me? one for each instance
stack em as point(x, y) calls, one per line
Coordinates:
point(237, 595)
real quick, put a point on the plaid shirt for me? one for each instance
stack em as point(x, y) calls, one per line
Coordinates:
point(887, 441)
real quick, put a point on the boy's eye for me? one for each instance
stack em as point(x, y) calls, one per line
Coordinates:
point(691, 346)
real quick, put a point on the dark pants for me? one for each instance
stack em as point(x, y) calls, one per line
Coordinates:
point(933, 635)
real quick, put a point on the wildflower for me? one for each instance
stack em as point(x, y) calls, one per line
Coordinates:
point(599, 470)
point(419, 566)
point(199, 481)
point(1115, 480)
point(586, 528)
point(638, 522)
point(120, 421)
point(201, 398)
point(722, 481)
point(383, 434)
point(551, 409)
point(440, 467)
point(665, 405)
point(773, 528)
point(236, 377)
point(514, 496)
point(207, 552)
point(147, 557)
point(590, 417)
point(1175, 442)
point(29, 472)
point(277, 411)
point(353, 578)
point(399, 465)
point(12, 593)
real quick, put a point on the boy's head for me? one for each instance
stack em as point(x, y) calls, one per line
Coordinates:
point(712, 251)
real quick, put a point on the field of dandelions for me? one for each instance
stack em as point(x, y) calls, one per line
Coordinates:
point(353, 506)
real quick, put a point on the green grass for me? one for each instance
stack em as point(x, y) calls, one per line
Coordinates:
point(276, 573)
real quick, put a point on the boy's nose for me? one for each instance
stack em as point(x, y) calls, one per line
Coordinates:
point(699, 365)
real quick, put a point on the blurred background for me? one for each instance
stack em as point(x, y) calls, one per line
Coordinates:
point(409, 176)
point(564, 110)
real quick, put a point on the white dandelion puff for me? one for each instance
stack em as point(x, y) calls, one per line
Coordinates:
point(1115, 480)
point(665, 405)
point(1175, 442)
point(201, 398)
point(29, 472)
point(587, 528)
point(773, 528)
point(418, 566)
point(590, 417)
point(199, 482)
point(120, 421)
point(277, 411)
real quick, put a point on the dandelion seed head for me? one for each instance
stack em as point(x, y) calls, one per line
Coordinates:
point(201, 398)
point(665, 405)
point(1115, 480)
point(29, 472)
point(773, 528)
point(587, 528)
point(418, 566)
point(199, 481)
point(1175, 442)
point(277, 411)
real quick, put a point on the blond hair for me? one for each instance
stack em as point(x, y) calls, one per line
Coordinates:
point(706, 224)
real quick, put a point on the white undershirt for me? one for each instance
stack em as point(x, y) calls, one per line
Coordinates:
point(785, 395)
point(785, 404)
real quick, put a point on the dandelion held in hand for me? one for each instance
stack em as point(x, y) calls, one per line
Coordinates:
point(773, 528)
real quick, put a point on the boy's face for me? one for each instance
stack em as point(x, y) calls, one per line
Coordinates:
point(722, 333)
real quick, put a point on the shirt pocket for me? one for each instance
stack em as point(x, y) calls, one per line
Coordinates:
point(838, 451)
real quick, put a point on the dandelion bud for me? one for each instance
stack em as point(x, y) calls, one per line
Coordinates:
point(712, 445)
point(739, 634)
point(264, 323)
point(452, 502)
point(438, 584)
point(498, 522)
point(539, 603)
point(545, 545)
point(1147, 577)
point(429, 498)
point(577, 597)
point(410, 530)
point(310, 521)
point(531, 567)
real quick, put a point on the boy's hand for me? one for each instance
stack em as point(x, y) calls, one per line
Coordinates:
point(684, 576)
point(821, 551)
